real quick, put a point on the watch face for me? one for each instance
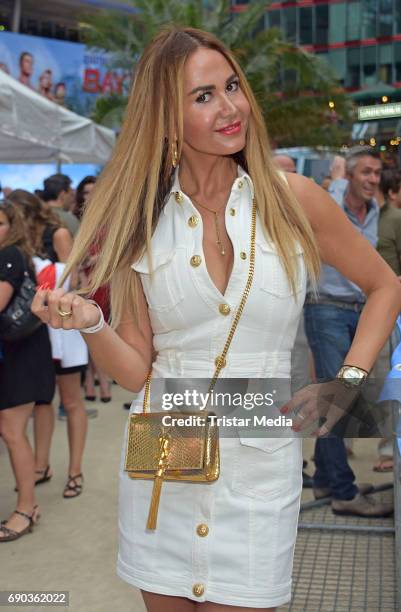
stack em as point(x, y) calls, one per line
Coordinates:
point(352, 373)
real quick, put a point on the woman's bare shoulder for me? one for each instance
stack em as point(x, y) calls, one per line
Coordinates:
point(301, 186)
point(316, 202)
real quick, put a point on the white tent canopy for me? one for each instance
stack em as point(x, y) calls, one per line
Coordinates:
point(36, 130)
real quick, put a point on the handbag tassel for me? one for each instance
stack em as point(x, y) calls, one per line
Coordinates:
point(157, 485)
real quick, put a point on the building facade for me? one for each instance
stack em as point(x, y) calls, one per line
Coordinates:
point(360, 39)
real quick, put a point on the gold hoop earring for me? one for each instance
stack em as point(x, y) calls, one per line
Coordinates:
point(174, 160)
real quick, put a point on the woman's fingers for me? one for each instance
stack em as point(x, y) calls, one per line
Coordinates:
point(63, 310)
point(74, 304)
point(305, 416)
point(322, 404)
point(39, 305)
point(54, 297)
point(334, 414)
point(47, 305)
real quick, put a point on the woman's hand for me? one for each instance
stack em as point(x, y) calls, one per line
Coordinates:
point(320, 404)
point(47, 305)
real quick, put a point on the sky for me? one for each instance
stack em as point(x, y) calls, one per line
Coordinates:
point(31, 176)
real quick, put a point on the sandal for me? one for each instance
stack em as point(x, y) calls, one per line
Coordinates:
point(8, 535)
point(73, 485)
point(384, 465)
point(46, 476)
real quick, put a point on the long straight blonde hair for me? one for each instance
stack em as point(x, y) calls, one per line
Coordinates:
point(126, 202)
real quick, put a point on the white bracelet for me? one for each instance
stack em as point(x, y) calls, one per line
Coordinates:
point(99, 325)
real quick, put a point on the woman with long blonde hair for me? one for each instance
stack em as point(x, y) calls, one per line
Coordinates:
point(189, 208)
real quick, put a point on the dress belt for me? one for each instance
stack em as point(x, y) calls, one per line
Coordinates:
point(236, 362)
point(326, 301)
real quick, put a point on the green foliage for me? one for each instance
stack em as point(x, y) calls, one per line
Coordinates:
point(293, 86)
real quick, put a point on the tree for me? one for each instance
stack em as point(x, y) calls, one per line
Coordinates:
point(293, 87)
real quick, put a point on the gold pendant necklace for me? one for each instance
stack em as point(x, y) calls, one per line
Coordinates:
point(216, 225)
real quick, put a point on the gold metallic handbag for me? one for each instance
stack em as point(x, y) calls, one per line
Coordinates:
point(161, 451)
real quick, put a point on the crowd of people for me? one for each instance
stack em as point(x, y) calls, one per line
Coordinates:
point(37, 232)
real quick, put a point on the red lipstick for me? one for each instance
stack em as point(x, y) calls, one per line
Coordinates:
point(234, 128)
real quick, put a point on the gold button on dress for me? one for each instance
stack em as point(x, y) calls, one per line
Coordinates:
point(198, 590)
point(202, 530)
point(196, 261)
point(193, 221)
point(224, 309)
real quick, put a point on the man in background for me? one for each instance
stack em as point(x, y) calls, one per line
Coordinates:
point(330, 323)
point(60, 196)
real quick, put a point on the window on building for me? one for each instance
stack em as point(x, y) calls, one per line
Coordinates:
point(60, 31)
point(322, 24)
point(29, 26)
point(369, 17)
point(305, 26)
point(397, 61)
point(385, 18)
point(337, 59)
point(274, 19)
point(397, 20)
point(46, 29)
point(290, 23)
point(354, 20)
point(337, 22)
point(369, 65)
point(353, 78)
point(386, 63)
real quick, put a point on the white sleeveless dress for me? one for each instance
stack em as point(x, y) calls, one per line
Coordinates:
point(231, 541)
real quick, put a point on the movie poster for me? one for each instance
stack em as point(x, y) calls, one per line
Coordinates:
point(70, 74)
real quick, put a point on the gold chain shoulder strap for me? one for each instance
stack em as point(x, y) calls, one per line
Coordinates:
point(221, 359)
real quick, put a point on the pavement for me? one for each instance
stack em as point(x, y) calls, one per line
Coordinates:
point(74, 547)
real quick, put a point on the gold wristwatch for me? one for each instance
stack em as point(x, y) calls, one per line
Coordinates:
point(352, 376)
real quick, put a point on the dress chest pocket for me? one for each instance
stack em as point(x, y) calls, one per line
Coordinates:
point(162, 287)
point(263, 467)
point(273, 278)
